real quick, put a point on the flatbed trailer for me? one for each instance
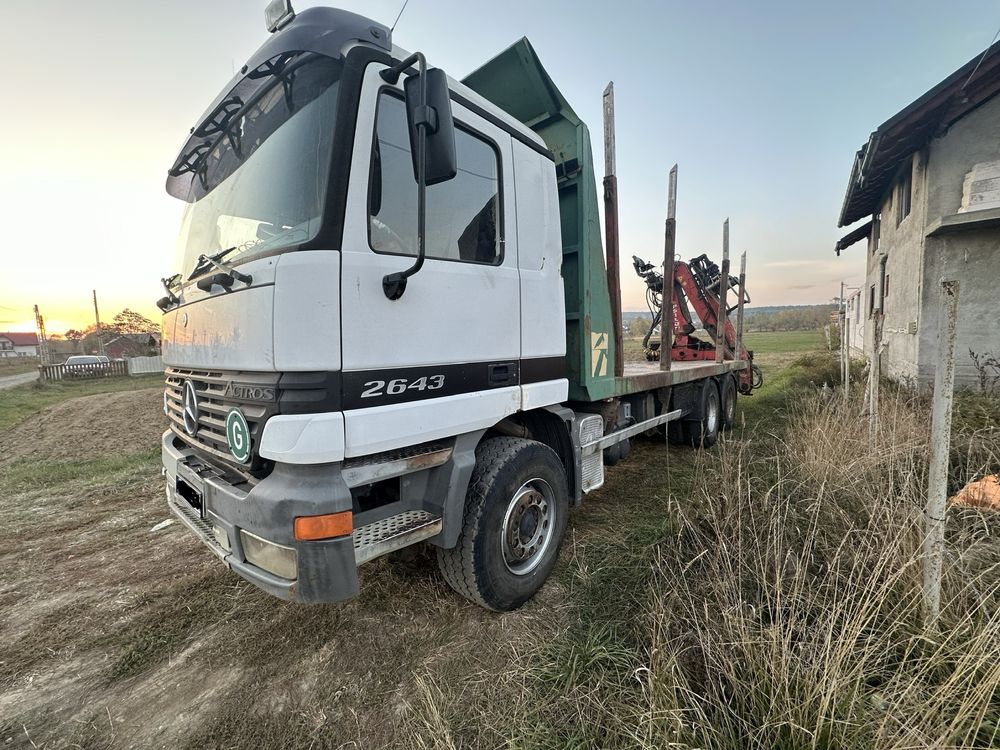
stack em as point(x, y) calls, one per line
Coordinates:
point(393, 322)
point(640, 377)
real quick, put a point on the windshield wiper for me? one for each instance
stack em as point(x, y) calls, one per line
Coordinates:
point(171, 299)
point(223, 279)
point(205, 262)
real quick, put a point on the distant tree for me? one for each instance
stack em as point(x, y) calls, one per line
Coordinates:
point(638, 326)
point(129, 321)
point(790, 318)
point(74, 335)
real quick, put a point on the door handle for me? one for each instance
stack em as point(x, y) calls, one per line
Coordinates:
point(502, 373)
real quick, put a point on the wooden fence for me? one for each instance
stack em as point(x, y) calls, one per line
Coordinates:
point(113, 369)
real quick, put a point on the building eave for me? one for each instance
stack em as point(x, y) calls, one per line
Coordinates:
point(912, 128)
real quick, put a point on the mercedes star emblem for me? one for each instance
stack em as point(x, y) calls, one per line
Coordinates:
point(190, 408)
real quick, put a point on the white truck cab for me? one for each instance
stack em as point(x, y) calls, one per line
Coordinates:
point(365, 351)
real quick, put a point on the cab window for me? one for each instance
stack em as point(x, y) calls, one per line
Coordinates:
point(463, 214)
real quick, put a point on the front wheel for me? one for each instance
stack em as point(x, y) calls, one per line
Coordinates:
point(515, 518)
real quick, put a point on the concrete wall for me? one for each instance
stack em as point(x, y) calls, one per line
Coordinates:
point(903, 246)
point(971, 256)
point(915, 263)
point(973, 139)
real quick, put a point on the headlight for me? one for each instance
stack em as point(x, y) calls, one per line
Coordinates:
point(274, 558)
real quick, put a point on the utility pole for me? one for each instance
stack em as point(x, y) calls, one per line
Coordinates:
point(43, 341)
point(97, 319)
point(847, 357)
point(841, 317)
point(669, 252)
point(611, 226)
point(874, 382)
point(937, 475)
point(722, 316)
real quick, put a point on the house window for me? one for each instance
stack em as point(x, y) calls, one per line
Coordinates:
point(876, 233)
point(886, 292)
point(463, 214)
point(904, 190)
point(871, 301)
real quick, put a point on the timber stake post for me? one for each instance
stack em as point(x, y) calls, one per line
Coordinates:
point(611, 227)
point(722, 317)
point(669, 251)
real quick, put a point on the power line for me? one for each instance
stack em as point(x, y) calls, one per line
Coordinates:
point(981, 58)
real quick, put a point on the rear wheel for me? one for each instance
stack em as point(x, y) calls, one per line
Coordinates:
point(703, 432)
point(515, 518)
point(727, 389)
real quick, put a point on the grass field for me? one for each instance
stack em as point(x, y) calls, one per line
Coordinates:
point(760, 594)
point(17, 365)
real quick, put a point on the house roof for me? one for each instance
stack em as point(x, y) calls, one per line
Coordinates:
point(20, 339)
point(877, 161)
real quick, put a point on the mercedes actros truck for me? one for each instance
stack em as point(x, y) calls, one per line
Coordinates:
point(390, 320)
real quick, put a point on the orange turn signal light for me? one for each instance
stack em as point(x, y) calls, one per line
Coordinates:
point(328, 526)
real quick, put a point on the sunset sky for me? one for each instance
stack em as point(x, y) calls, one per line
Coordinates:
point(762, 104)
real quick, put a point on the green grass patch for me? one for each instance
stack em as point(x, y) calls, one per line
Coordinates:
point(17, 365)
point(24, 400)
point(31, 474)
point(771, 342)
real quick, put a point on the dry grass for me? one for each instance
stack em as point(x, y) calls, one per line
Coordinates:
point(787, 613)
point(767, 594)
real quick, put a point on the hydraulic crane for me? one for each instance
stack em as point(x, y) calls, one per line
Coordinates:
point(697, 282)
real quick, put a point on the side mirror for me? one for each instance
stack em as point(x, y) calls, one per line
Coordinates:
point(440, 162)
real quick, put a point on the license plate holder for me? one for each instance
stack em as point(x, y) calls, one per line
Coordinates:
point(189, 488)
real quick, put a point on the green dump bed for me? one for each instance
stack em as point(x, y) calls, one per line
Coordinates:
point(516, 82)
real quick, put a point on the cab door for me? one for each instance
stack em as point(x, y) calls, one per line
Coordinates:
point(444, 358)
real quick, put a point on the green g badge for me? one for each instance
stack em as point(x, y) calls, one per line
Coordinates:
point(238, 435)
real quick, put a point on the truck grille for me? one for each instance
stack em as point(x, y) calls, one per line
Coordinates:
point(289, 393)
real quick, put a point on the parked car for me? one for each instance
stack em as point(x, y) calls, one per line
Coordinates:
point(87, 366)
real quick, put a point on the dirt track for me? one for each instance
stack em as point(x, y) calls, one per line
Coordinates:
point(115, 635)
point(123, 423)
point(9, 381)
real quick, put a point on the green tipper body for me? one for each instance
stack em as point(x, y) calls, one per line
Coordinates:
point(516, 82)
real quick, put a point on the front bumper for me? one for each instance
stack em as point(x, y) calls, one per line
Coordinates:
point(326, 570)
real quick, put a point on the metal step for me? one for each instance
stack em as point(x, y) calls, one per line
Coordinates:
point(359, 472)
point(392, 533)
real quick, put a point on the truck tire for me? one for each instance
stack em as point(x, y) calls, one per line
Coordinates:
point(703, 432)
point(513, 523)
point(727, 390)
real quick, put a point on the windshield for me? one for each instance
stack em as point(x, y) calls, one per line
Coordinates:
point(257, 180)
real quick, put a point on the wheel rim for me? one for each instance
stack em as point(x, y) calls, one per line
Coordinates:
point(528, 526)
point(712, 416)
point(731, 406)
